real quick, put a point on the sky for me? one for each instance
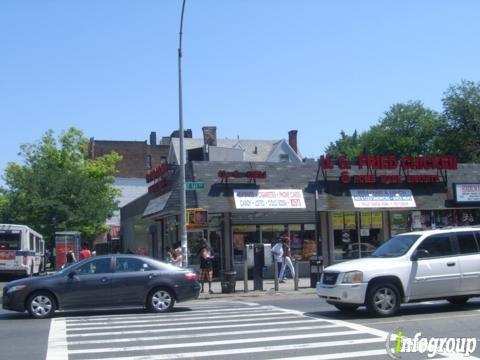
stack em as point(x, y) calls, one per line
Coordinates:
point(255, 69)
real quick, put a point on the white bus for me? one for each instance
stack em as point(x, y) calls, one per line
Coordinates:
point(22, 250)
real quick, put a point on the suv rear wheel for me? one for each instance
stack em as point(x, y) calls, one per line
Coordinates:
point(383, 300)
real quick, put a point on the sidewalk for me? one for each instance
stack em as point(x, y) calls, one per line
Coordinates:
point(284, 289)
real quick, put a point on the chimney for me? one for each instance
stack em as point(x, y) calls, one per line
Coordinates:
point(292, 140)
point(153, 138)
point(210, 135)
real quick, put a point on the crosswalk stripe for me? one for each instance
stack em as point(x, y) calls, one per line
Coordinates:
point(298, 346)
point(195, 328)
point(164, 320)
point(200, 335)
point(171, 314)
point(154, 324)
point(57, 341)
point(214, 343)
point(345, 355)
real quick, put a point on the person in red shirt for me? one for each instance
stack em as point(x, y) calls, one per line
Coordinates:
point(84, 253)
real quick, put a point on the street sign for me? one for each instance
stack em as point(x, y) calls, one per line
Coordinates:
point(197, 185)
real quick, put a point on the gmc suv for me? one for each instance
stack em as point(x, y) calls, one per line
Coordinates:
point(410, 267)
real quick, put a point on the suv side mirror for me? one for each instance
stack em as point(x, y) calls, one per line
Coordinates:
point(420, 253)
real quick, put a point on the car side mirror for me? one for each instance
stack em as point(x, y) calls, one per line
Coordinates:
point(72, 274)
point(420, 253)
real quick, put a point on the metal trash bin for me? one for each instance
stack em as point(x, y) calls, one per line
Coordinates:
point(228, 280)
point(316, 269)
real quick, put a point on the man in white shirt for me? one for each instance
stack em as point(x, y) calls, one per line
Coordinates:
point(277, 251)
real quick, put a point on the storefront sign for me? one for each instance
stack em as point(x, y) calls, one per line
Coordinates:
point(467, 193)
point(252, 175)
point(406, 165)
point(269, 199)
point(366, 219)
point(382, 198)
point(156, 176)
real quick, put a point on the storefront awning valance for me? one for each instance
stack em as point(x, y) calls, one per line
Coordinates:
point(156, 205)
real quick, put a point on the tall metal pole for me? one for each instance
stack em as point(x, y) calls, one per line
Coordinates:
point(182, 231)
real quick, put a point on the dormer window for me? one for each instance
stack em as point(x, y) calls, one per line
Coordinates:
point(283, 157)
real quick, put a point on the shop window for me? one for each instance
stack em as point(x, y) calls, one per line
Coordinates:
point(303, 244)
point(242, 235)
point(270, 234)
point(345, 235)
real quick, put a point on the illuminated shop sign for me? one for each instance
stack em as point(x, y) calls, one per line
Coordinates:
point(406, 165)
point(398, 198)
point(156, 176)
point(269, 199)
point(467, 193)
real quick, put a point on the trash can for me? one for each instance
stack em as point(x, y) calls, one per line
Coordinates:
point(316, 268)
point(228, 281)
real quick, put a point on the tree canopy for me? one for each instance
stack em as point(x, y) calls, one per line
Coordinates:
point(413, 129)
point(59, 188)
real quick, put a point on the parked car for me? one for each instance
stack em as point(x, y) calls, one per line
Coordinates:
point(103, 282)
point(410, 267)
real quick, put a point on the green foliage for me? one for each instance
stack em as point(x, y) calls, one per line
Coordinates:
point(59, 188)
point(350, 146)
point(461, 136)
point(405, 129)
point(411, 128)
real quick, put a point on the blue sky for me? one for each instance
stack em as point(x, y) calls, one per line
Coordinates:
point(254, 68)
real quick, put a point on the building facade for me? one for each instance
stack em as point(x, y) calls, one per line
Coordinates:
point(348, 209)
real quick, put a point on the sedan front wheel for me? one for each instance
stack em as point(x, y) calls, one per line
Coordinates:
point(41, 305)
point(160, 300)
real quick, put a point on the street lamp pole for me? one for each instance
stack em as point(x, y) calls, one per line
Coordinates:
point(182, 229)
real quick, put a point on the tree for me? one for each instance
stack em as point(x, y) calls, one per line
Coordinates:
point(350, 146)
point(406, 129)
point(461, 134)
point(59, 188)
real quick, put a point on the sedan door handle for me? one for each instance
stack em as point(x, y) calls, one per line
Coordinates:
point(151, 276)
point(451, 264)
point(104, 279)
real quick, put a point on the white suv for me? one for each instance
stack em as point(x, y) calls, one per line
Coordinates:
point(410, 267)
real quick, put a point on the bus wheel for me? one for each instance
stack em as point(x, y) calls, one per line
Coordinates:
point(41, 305)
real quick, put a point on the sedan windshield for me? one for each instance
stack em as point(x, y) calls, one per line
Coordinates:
point(396, 246)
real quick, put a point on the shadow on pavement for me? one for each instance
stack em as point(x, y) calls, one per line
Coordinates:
point(405, 310)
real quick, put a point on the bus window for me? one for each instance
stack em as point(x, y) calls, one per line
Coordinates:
point(32, 242)
point(9, 240)
point(38, 249)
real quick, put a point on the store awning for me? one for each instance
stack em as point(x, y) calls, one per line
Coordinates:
point(385, 198)
point(156, 205)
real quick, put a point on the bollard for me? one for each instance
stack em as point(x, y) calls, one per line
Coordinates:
point(245, 276)
point(275, 274)
point(295, 280)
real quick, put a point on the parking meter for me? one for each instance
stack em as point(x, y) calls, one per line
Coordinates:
point(262, 257)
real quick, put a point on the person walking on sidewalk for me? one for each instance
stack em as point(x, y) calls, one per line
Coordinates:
point(85, 252)
point(177, 258)
point(277, 251)
point(206, 266)
point(287, 260)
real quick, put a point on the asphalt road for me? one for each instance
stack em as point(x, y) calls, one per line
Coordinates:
point(25, 338)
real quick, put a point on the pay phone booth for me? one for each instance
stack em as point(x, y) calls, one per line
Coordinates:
point(258, 257)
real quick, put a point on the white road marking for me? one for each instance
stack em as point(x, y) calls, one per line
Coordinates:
point(175, 319)
point(57, 341)
point(299, 346)
point(345, 355)
point(157, 323)
point(262, 324)
point(201, 335)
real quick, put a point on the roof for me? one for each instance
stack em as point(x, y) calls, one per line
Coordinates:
point(254, 150)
